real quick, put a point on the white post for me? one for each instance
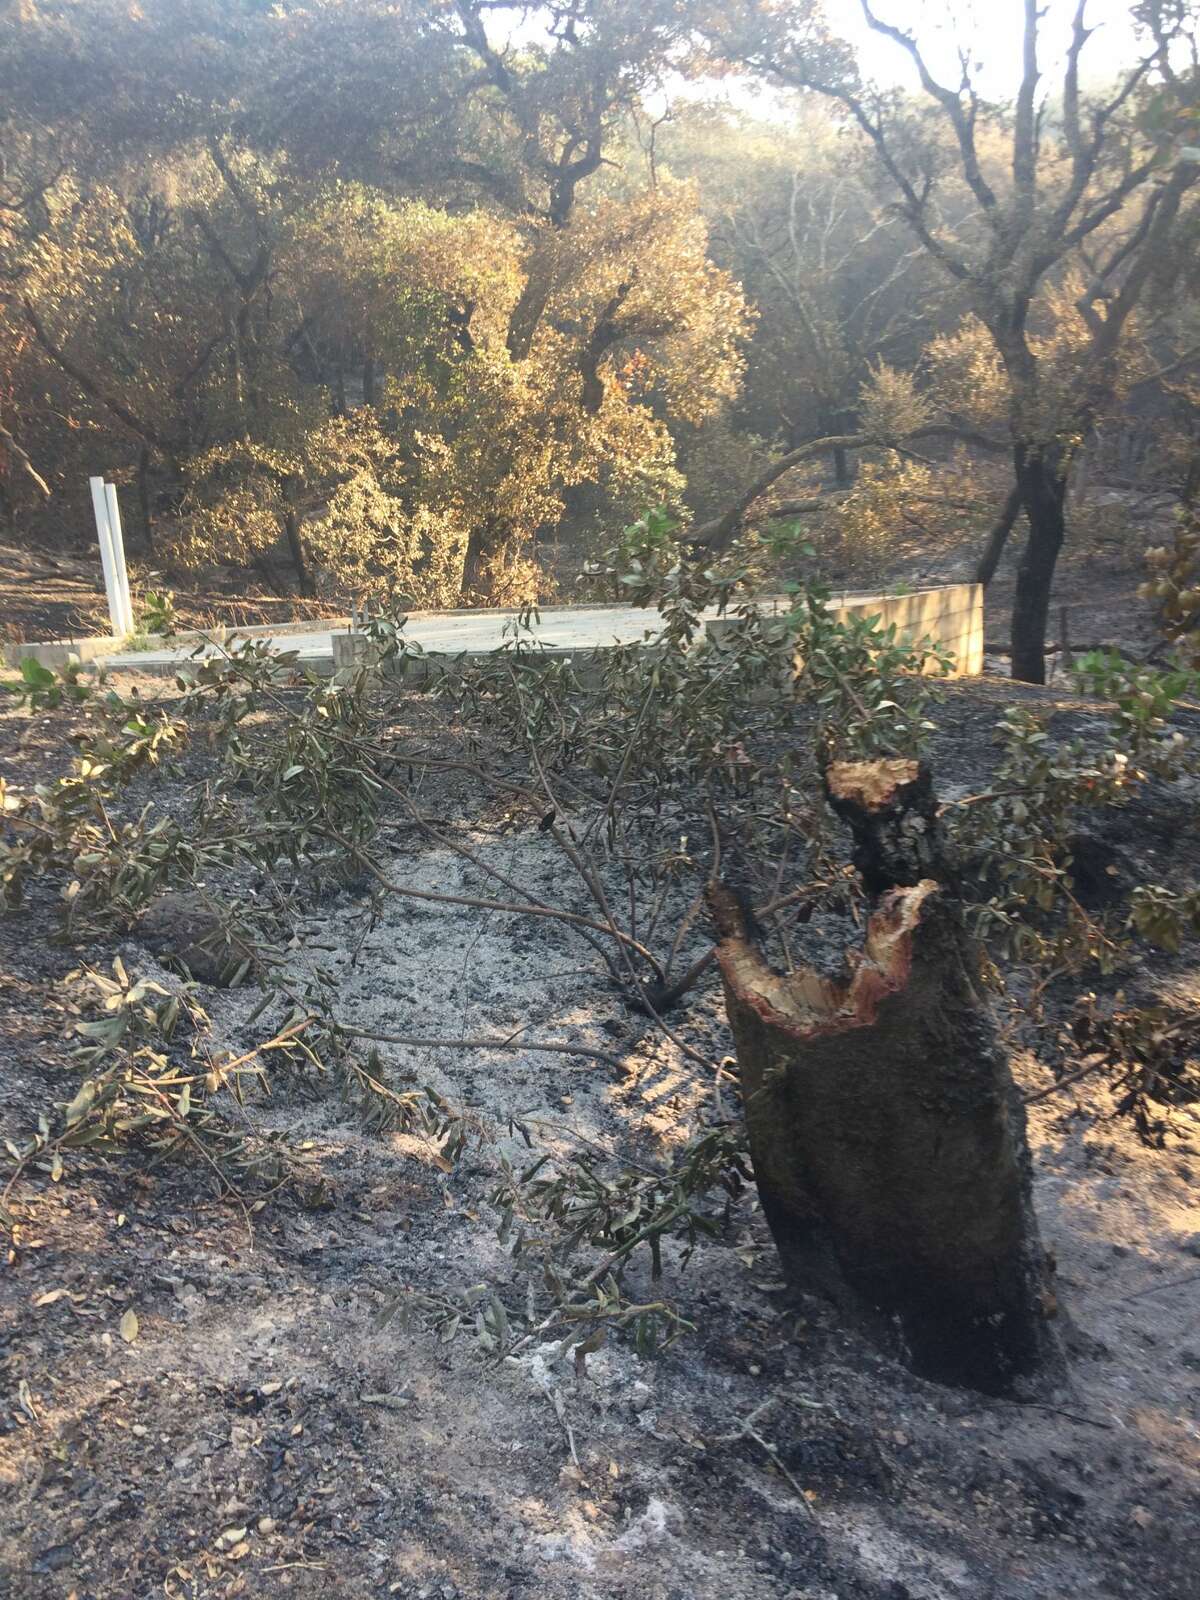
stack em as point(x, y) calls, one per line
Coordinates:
point(118, 544)
point(103, 534)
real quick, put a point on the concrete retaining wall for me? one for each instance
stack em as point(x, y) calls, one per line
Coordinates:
point(356, 650)
point(96, 648)
point(950, 616)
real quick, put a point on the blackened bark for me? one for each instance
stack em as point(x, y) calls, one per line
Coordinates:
point(887, 1137)
point(1041, 479)
point(998, 537)
point(841, 422)
point(892, 813)
point(603, 336)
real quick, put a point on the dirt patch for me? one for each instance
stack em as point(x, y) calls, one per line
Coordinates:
point(52, 595)
point(264, 1435)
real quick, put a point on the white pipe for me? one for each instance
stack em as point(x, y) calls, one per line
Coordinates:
point(100, 507)
point(118, 541)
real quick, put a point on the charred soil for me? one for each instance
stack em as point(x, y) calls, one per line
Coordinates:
point(262, 1434)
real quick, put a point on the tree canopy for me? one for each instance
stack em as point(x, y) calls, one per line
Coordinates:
point(404, 288)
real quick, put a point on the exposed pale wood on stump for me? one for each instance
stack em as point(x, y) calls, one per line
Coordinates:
point(887, 1139)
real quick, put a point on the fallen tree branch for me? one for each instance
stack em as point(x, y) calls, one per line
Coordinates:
point(509, 908)
point(559, 1047)
point(1065, 1083)
point(749, 1430)
point(422, 824)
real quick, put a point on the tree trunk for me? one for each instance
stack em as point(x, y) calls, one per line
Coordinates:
point(1042, 483)
point(841, 422)
point(477, 541)
point(530, 304)
point(998, 538)
point(237, 370)
point(295, 544)
point(484, 539)
point(1080, 480)
point(143, 487)
point(887, 1138)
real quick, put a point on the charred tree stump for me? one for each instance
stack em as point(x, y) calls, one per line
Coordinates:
point(887, 1138)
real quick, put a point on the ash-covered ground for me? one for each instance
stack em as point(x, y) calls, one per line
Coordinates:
point(264, 1435)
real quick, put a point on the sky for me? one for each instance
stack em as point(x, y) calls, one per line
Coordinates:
point(991, 30)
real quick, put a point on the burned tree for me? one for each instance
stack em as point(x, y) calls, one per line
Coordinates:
point(1109, 200)
point(887, 1139)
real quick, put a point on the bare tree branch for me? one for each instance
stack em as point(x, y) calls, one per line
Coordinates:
point(721, 530)
point(553, 1046)
point(137, 425)
point(962, 121)
point(23, 461)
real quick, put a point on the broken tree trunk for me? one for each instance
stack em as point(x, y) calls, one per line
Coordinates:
point(887, 1138)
